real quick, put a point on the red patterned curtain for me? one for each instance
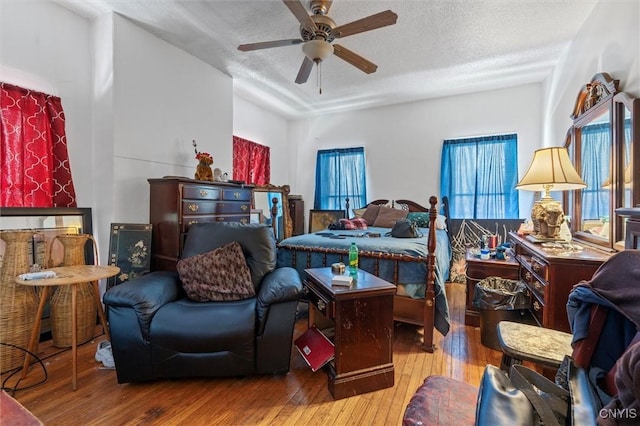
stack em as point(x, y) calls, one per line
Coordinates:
point(34, 163)
point(251, 162)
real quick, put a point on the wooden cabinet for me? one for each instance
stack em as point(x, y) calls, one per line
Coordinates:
point(296, 211)
point(479, 269)
point(361, 320)
point(550, 273)
point(177, 203)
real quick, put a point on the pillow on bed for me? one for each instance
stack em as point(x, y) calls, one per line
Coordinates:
point(387, 217)
point(370, 214)
point(350, 224)
point(357, 213)
point(422, 220)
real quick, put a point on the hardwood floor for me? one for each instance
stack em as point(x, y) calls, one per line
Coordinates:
point(299, 398)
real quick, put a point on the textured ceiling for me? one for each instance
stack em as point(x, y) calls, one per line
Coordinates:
point(436, 48)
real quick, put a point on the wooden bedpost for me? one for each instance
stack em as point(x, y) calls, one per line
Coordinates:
point(429, 297)
point(274, 216)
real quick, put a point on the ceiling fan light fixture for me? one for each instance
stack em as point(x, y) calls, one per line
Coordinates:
point(317, 50)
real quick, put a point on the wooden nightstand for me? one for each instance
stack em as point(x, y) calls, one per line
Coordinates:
point(479, 269)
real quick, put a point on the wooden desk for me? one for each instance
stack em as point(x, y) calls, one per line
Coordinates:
point(362, 317)
point(68, 275)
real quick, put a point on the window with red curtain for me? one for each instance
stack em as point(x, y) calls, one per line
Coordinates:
point(251, 162)
point(34, 162)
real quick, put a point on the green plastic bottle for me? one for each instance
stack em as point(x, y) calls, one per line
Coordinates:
point(353, 258)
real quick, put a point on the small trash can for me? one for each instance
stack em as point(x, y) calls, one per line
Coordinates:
point(500, 299)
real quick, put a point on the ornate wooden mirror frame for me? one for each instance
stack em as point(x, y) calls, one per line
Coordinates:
point(600, 107)
point(278, 213)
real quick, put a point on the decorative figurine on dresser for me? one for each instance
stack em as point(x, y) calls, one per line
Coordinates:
point(176, 203)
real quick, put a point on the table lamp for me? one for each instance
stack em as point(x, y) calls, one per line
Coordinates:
point(550, 170)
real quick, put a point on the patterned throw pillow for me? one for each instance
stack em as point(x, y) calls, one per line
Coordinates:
point(357, 223)
point(420, 218)
point(387, 217)
point(218, 275)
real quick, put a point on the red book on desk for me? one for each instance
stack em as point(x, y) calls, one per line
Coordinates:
point(315, 348)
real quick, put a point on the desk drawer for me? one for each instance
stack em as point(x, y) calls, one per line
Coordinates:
point(326, 307)
point(535, 285)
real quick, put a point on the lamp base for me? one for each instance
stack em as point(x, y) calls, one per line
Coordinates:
point(542, 239)
point(547, 214)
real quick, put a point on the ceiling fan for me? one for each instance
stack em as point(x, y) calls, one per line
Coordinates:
point(318, 30)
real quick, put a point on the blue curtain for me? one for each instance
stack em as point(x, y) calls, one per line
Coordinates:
point(596, 146)
point(479, 176)
point(340, 174)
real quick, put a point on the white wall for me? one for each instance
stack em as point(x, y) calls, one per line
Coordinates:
point(164, 98)
point(608, 42)
point(403, 143)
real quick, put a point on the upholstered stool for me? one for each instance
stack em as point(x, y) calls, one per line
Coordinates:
point(442, 401)
point(524, 342)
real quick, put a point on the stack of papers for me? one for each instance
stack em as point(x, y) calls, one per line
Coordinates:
point(341, 280)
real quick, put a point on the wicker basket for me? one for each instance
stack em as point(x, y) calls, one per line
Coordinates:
point(18, 303)
point(61, 330)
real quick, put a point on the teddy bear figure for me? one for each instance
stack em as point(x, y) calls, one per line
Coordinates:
point(203, 169)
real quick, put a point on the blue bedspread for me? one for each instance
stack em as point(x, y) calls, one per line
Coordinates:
point(412, 275)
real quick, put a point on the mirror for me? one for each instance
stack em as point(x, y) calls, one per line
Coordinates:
point(627, 129)
point(263, 209)
point(591, 145)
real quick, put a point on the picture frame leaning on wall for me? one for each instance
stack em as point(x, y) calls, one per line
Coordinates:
point(130, 250)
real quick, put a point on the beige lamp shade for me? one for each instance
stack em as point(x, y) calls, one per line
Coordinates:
point(551, 169)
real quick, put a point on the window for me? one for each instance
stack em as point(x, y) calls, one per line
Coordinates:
point(251, 162)
point(34, 162)
point(479, 176)
point(340, 174)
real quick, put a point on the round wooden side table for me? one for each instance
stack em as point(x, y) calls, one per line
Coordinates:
point(72, 276)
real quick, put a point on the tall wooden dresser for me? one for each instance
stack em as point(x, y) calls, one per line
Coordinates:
point(550, 274)
point(177, 203)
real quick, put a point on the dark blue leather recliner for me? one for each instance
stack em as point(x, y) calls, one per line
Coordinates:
point(157, 332)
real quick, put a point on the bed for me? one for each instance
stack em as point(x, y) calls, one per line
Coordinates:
point(418, 266)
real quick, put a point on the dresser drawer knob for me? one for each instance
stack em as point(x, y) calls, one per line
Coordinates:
point(536, 267)
point(193, 207)
point(203, 193)
point(527, 276)
point(236, 195)
point(243, 220)
point(191, 222)
point(536, 306)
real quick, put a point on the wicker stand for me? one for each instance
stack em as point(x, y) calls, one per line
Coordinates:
point(17, 303)
point(61, 300)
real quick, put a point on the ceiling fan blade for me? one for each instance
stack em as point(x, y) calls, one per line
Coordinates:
point(305, 70)
point(301, 14)
point(372, 22)
point(354, 59)
point(269, 44)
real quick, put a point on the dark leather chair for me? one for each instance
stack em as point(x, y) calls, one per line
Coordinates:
point(157, 332)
